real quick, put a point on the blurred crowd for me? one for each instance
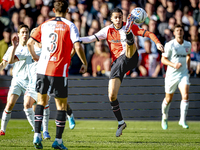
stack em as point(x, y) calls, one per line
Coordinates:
point(90, 16)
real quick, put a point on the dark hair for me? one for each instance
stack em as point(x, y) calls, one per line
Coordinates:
point(22, 26)
point(61, 6)
point(178, 26)
point(115, 10)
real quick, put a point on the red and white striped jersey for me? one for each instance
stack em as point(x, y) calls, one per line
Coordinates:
point(57, 36)
point(116, 38)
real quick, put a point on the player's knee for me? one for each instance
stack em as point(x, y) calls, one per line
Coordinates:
point(112, 97)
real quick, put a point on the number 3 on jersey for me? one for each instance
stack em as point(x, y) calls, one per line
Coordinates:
point(53, 37)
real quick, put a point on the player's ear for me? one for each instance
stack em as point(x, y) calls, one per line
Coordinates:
point(54, 10)
point(67, 10)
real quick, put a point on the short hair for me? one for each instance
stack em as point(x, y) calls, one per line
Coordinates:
point(116, 10)
point(61, 6)
point(22, 26)
point(178, 26)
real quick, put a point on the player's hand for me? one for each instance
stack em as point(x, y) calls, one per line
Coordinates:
point(160, 47)
point(15, 41)
point(177, 65)
point(83, 68)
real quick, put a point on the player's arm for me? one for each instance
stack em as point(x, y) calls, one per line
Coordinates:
point(188, 59)
point(101, 35)
point(30, 45)
point(165, 61)
point(81, 54)
point(15, 42)
point(88, 39)
point(3, 65)
point(72, 52)
point(141, 32)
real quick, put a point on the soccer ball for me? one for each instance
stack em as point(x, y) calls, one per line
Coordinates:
point(139, 15)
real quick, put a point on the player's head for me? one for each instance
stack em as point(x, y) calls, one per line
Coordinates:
point(60, 6)
point(116, 17)
point(178, 31)
point(23, 33)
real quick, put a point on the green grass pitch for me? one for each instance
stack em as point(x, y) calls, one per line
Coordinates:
point(100, 134)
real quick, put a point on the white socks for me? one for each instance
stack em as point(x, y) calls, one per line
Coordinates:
point(5, 119)
point(30, 114)
point(120, 122)
point(58, 140)
point(183, 110)
point(165, 109)
point(45, 121)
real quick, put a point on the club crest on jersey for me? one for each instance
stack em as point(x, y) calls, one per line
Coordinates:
point(186, 49)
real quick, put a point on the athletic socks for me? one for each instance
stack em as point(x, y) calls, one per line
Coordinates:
point(183, 110)
point(60, 123)
point(5, 119)
point(30, 116)
point(69, 110)
point(116, 110)
point(38, 118)
point(130, 38)
point(165, 109)
point(45, 121)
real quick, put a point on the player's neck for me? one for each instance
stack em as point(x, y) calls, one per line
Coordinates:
point(179, 40)
point(60, 14)
point(22, 43)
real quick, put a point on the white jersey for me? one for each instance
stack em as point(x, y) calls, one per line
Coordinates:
point(19, 68)
point(176, 53)
point(31, 64)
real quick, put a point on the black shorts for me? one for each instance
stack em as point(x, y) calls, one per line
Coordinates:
point(58, 85)
point(122, 65)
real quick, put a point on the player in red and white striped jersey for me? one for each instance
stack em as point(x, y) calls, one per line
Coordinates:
point(58, 36)
point(119, 36)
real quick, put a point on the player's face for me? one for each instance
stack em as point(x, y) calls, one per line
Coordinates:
point(23, 34)
point(117, 18)
point(178, 32)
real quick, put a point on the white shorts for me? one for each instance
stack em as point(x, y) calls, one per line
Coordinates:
point(18, 86)
point(171, 83)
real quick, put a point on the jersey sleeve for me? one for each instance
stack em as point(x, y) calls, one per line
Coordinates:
point(141, 32)
point(167, 49)
point(6, 55)
point(74, 34)
point(37, 34)
point(102, 34)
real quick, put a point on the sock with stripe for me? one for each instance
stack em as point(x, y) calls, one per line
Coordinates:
point(116, 110)
point(60, 123)
point(38, 118)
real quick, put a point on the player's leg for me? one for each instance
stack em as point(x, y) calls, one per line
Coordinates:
point(184, 90)
point(11, 100)
point(165, 109)
point(61, 104)
point(28, 103)
point(130, 46)
point(70, 117)
point(42, 100)
point(59, 85)
point(113, 88)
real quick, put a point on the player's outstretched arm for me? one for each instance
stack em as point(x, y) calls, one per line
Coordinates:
point(30, 45)
point(88, 39)
point(80, 52)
